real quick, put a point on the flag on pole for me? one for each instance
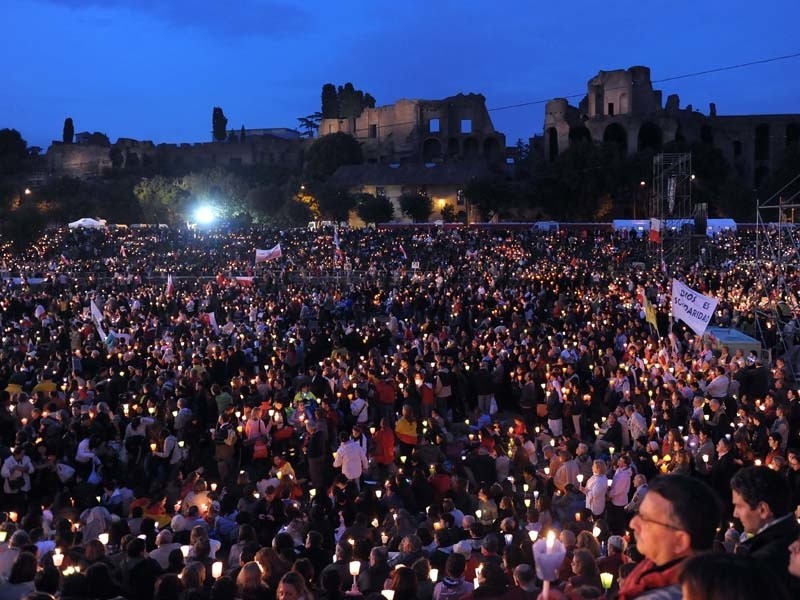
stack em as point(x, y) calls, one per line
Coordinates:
point(273, 253)
point(691, 307)
point(655, 231)
point(650, 314)
point(337, 248)
point(122, 252)
point(403, 252)
point(170, 286)
point(97, 318)
point(209, 319)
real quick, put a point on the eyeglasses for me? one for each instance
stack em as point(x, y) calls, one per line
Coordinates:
point(647, 519)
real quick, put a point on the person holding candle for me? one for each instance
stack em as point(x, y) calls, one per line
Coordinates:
point(596, 489)
point(677, 519)
point(453, 585)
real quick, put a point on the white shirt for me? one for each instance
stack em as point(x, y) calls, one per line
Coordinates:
point(596, 489)
point(352, 459)
point(620, 486)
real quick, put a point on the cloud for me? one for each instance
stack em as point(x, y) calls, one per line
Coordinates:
point(247, 18)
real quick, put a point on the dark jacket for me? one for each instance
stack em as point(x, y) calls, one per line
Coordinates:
point(771, 548)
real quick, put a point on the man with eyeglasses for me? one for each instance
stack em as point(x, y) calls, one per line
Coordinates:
point(677, 519)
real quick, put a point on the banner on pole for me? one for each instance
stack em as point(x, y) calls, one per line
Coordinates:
point(267, 255)
point(691, 307)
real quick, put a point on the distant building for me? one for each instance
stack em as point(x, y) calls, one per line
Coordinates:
point(443, 183)
point(622, 107)
point(457, 127)
point(280, 132)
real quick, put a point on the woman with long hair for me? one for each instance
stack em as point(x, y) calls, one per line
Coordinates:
point(249, 585)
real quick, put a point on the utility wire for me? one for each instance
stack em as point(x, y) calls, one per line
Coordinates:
point(662, 80)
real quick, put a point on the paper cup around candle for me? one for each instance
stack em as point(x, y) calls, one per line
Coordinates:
point(103, 537)
point(216, 569)
point(185, 550)
point(434, 575)
point(606, 579)
point(388, 594)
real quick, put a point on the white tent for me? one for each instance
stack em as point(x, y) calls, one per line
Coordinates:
point(88, 223)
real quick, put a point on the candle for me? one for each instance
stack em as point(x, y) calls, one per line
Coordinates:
point(596, 531)
point(705, 458)
point(216, 569)
point(58, 558)
point(533, 534)
point(185, 550)
point(12, 516)
point(378, 494)
point(527, 502)
point(478, 513)
point(508, 537)
point(312, 492)
point(388, 594)
point(375, 522)
point(213, 487)
point(578, 516)
point(550, 541)
point(580, 478)
point(434, 575)
point(103, 537)
point(153, 447)
point(525, 487)
point(606, 579)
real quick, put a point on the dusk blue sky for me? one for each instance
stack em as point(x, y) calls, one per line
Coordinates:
point(154, 69)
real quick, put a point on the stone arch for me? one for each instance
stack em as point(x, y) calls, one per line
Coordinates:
point(760, 175)
point(552, 143)
point(792, 133)
point(762, 142)
point(453, 147)
point(431, 149)
point(470, 147)
point(579, 133)
point(491, 149)
point(615, 134)
point(650, 137)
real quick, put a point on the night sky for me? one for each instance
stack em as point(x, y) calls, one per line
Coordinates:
point(154, 69)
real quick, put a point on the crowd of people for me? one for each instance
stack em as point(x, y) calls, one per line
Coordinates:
point(411, 414)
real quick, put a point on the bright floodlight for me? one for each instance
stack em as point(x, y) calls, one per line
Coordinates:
point(204, 214)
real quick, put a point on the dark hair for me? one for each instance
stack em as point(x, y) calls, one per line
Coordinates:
point(223, 588)
point(455, 565)
point(762, 484)
point(23, 569)
point(722, 576)
point(695, 506)
point(47, 580)
point(168, 587)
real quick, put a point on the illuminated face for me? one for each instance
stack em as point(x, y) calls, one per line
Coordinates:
point(752, 519)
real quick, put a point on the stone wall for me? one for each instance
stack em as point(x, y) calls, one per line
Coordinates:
point(622, 107)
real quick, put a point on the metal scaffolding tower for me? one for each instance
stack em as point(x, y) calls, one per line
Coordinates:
point(777, 260)
point(672, 206)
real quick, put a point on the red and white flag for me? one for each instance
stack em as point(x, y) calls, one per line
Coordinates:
point(403, 252)
point(655, 231)
point(170, 286)
point(273, 253)
point(209, 319)
point(122, 252)
point(244, 281)
point(64, 260)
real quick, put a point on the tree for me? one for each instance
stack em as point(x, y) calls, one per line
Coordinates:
point(13, 151)
point(346, 102)
point(374, 209)
point(297, 213)
point(334, 201)
point(330, 102)
point(162, 199)
point(69, 131)
point(330, 152)
point(219, 125)
point(448, 213)
point(418, 207)
point(310, 124)
point(491, 196)
point(242, 135)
